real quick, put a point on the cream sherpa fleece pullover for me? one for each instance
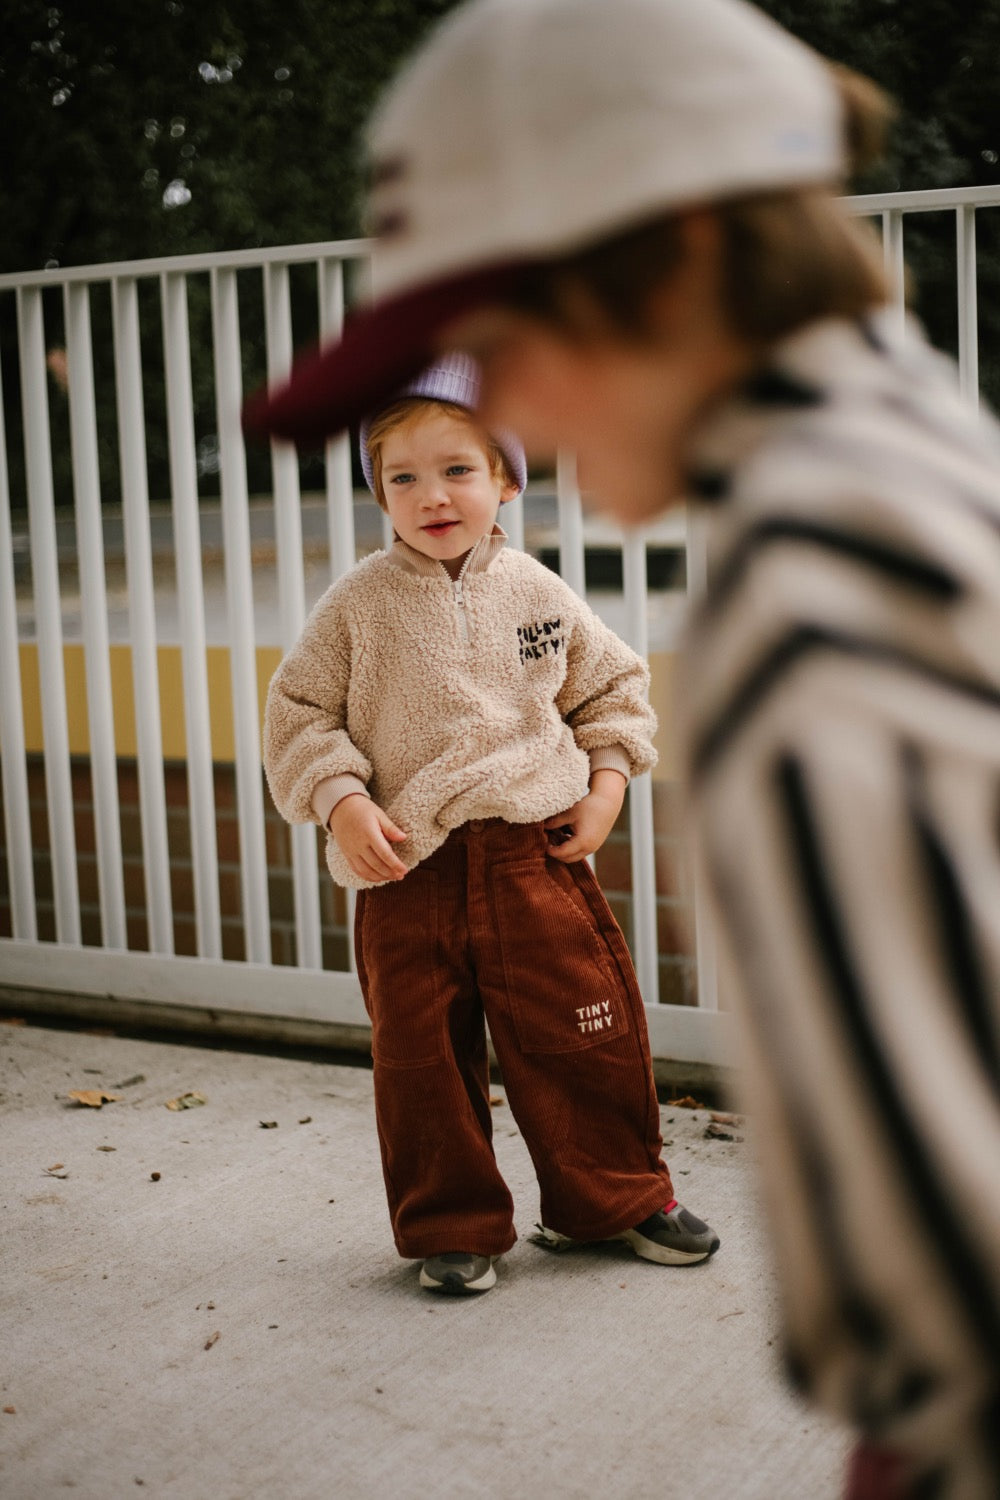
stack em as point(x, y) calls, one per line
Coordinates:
point(491, 696)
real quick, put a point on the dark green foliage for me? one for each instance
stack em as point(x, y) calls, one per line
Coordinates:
point(255, 107)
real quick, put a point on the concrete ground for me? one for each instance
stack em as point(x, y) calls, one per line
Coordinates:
point(193, 1305)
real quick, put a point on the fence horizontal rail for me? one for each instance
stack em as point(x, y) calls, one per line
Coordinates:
point(232, 260)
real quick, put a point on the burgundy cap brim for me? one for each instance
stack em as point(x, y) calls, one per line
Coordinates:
point(383, 347)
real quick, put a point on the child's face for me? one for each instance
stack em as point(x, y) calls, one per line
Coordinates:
point(439, 489)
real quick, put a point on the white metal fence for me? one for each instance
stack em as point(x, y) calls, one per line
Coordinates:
point(65, 299)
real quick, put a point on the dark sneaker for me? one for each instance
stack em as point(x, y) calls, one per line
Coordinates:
point(676, 1238)
point(458, 1273)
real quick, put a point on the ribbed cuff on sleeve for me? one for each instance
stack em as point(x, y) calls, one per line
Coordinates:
point(610, 758)
point(330, 791)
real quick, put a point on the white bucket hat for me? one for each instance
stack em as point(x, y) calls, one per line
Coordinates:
point(525, 129)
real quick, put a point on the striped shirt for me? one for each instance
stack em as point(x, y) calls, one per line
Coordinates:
point(842, 733)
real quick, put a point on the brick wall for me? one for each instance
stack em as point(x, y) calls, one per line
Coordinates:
point(677, 970)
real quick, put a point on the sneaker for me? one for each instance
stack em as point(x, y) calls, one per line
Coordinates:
point(673, 1237)
point(458, 1273)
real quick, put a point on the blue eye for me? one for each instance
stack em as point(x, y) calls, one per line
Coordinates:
point(460, 469)
point(401, 479)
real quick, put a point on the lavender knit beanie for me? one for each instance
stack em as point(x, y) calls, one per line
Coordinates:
point(455, 378)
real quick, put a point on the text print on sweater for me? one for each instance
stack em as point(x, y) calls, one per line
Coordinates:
point(444, 720)
point(538, 640)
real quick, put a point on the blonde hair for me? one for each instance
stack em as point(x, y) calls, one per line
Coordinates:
point(411, 408)
point(789, 256)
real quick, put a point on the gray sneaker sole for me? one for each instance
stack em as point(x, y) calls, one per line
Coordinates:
point(663, 1255)
point(451, 1283)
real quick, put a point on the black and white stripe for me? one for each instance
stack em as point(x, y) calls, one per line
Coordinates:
point(843, 737)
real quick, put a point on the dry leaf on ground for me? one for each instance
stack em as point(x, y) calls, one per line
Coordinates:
point(94, 1098)
point(685, 1102)
point(213, 1338)
point(716, 1132)
point(190, 1100)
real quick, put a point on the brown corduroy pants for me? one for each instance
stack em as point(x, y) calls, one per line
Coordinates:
point(490, 926)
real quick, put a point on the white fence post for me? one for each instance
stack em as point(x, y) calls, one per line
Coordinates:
point(571, 551)
point(895, 266)
point(94, 610)
point(13, 761)
point(239, 598)
point(48, 616)
point(339, 487)
point(291, 598)
point(191, 592)
point(644, 930)
point(339, 484)
point(968, 310)
point(142, 614)
point(706, 956)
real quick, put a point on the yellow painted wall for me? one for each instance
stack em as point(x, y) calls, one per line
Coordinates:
point(662, 668)
point(171, 698)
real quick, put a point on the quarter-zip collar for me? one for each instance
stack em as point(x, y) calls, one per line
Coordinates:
point(478, 559)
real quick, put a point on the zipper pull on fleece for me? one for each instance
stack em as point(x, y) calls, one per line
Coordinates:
point(463, 619)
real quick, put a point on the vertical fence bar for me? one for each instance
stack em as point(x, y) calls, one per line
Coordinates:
point(94, 610)
point(706, 954)
point(141, 612)
point(895, 265)
point(48, 613)
point(13, 762)
point(191, 594)
point(572, 560)
point(239, 605)
point(291, 597)
point(644, 933)
point(339, 483)
point(571, 551)
point(512, 521)
point(968, 311)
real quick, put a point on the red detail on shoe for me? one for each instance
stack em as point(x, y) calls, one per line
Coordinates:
point(669, 1207)
point(876, 1473)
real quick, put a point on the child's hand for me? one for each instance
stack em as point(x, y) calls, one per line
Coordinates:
point(590, 820)
point(365, 835)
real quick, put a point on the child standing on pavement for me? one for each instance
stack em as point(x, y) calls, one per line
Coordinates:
point(465, 728)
